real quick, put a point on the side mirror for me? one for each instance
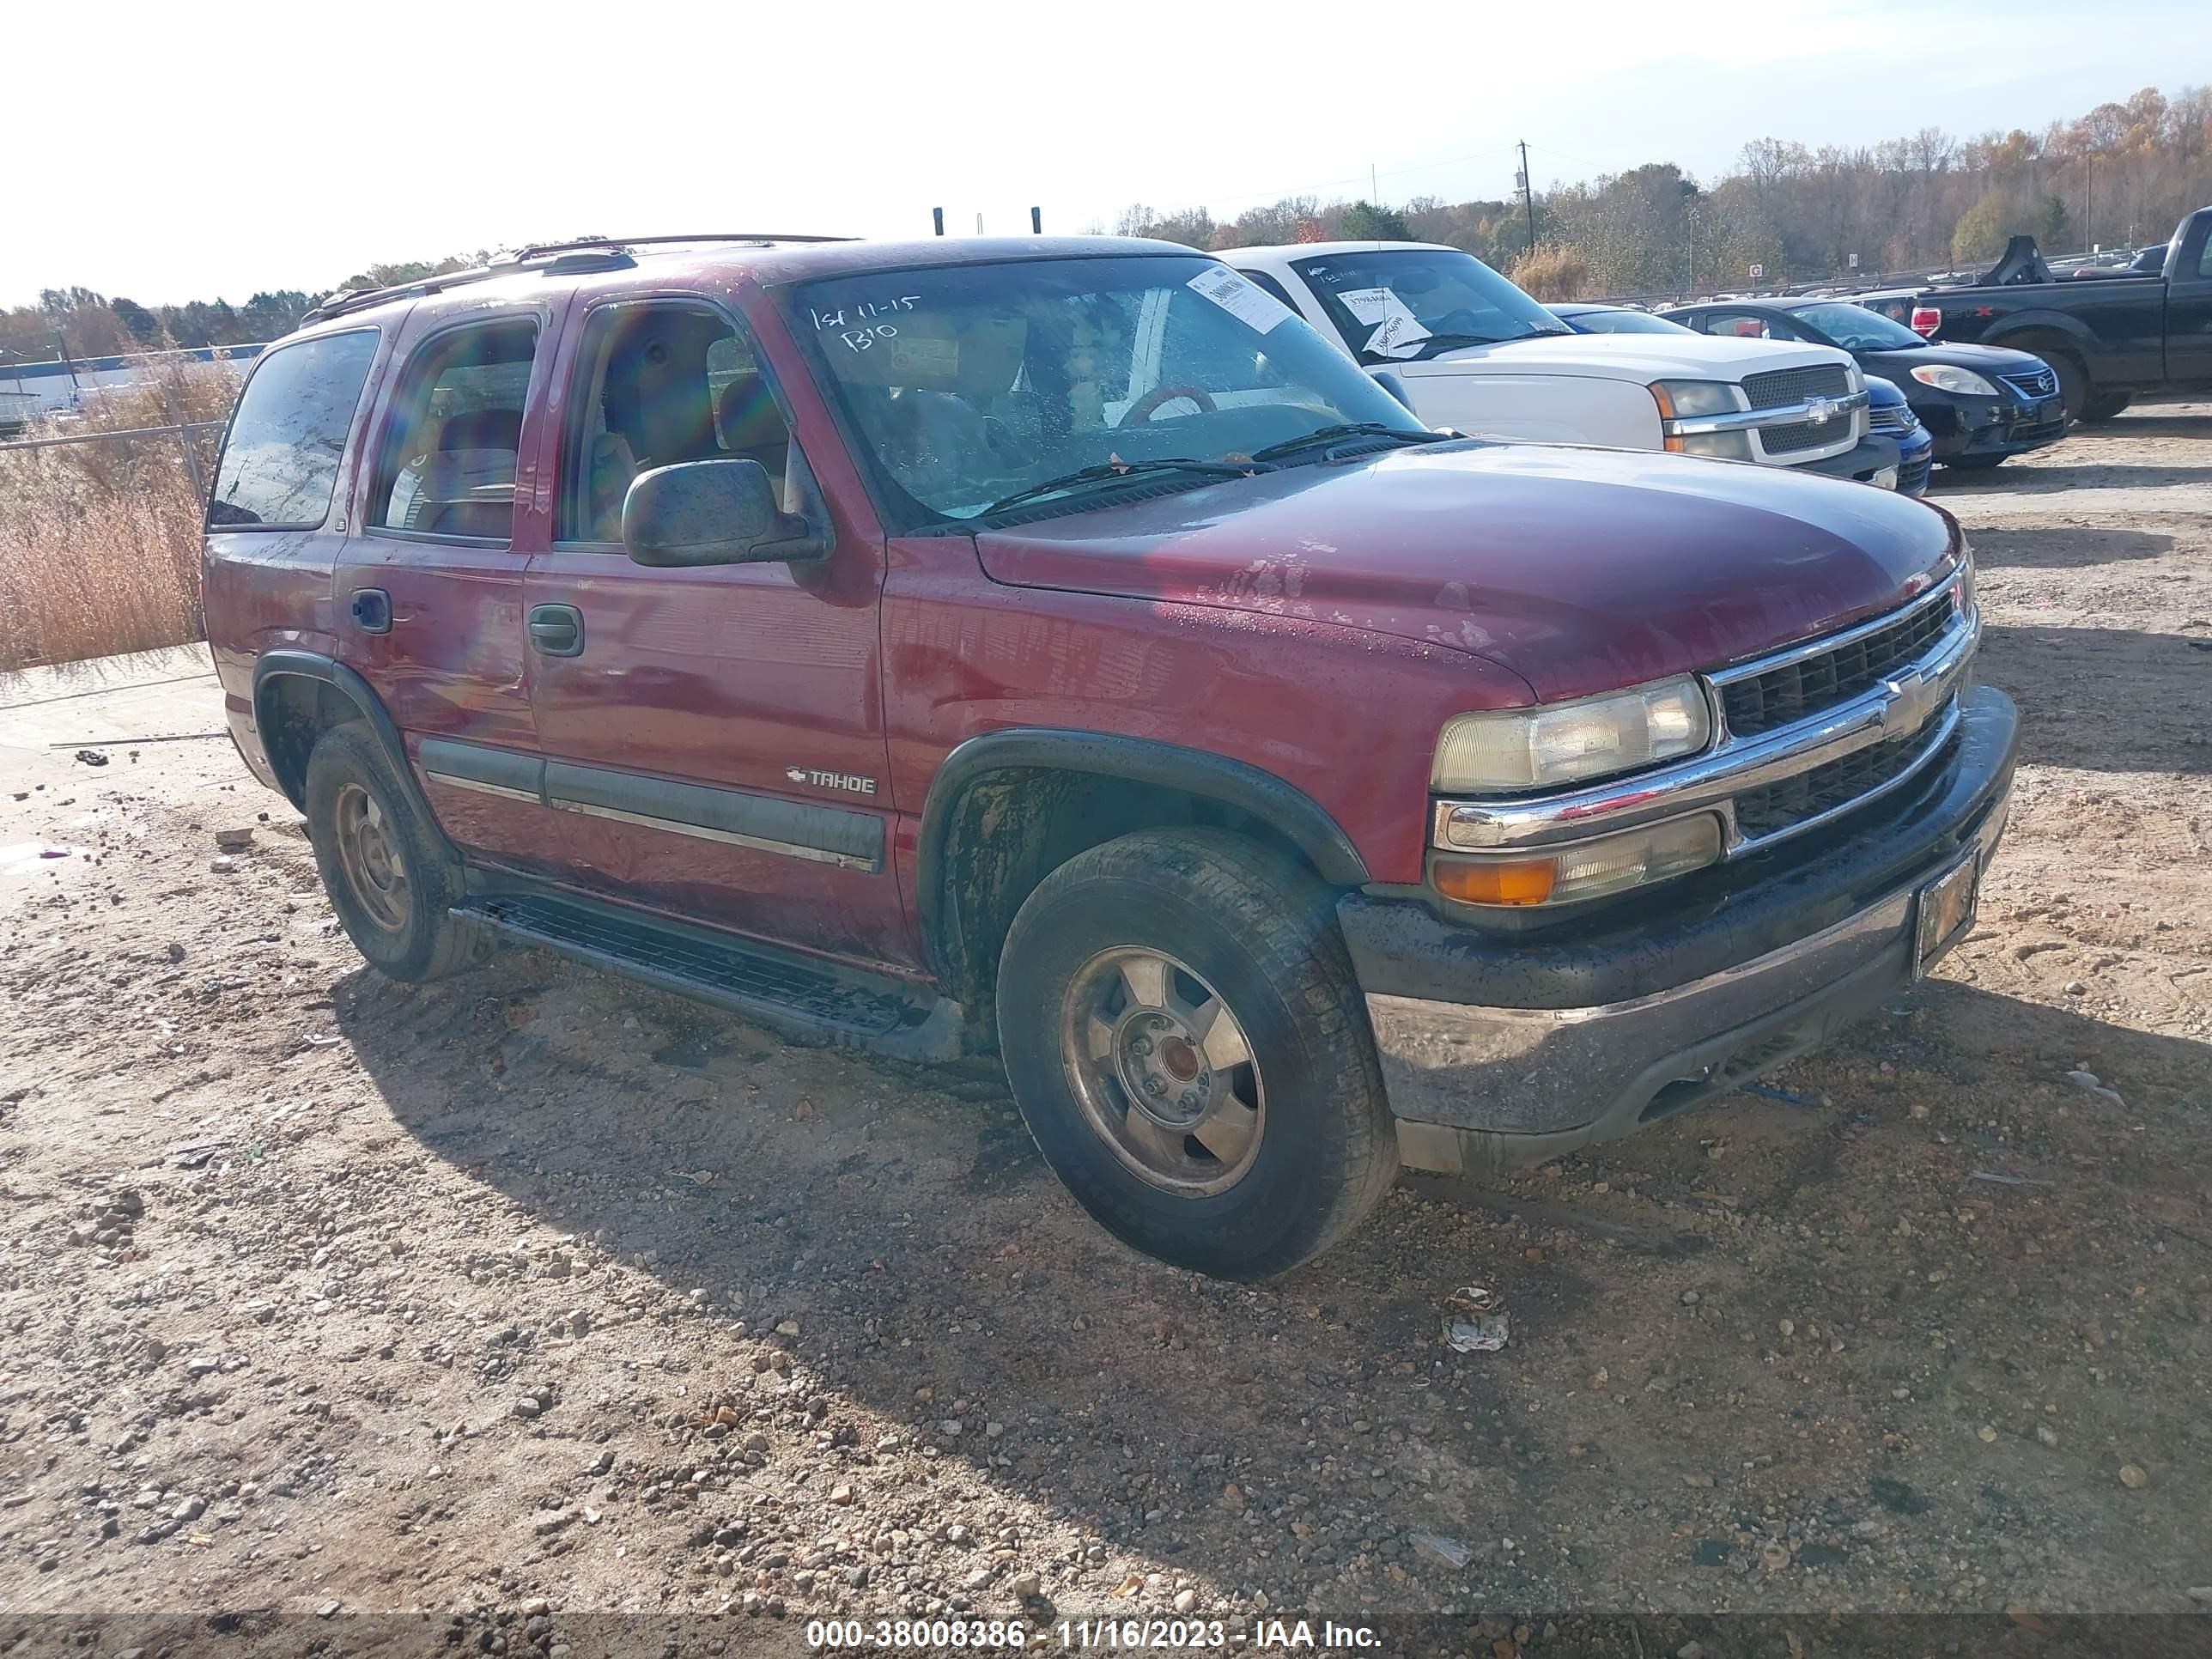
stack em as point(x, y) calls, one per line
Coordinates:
point(1390, 383)
point(701, 512)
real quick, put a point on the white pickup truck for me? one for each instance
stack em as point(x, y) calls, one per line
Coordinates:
point(1474, 353)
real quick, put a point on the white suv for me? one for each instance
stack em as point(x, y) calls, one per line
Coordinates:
point(1475, 353)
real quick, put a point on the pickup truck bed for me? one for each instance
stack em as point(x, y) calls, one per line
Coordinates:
point(2109, 340)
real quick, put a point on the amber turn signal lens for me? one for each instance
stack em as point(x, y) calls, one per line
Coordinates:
point(1526, 881)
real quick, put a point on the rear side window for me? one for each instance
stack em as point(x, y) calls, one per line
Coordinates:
point(280, 462)
point(447, 468)
point(1267, 285)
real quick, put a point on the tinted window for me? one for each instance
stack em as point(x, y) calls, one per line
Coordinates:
point(1395, 305)
point(1606, 320)
point(448, 465)
point(657, 384)
point(1744, 325)
point(280, 462)
point(967, 384)
point(1857, 328)
point(1267, 285)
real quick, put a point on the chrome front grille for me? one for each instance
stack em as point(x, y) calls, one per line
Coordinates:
point(1854, 781)
point(1822, 678)
point(1782, 386)
point(2041, 384)
point(1897, 419)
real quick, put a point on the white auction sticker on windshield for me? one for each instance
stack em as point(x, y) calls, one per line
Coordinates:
point(1239, 298)
point(1398, 332)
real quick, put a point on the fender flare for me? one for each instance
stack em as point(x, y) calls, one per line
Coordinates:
point(2076, 332)
point(1137, 760)
point(328, 671)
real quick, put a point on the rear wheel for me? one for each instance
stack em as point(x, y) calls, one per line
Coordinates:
point(2104, 405)
point(1189, 1048)
point(388, 874)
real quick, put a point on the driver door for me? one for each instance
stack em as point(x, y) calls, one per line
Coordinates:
point(714, 735)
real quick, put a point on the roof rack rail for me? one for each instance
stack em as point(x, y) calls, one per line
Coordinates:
point(537, 248)
point(543, 256)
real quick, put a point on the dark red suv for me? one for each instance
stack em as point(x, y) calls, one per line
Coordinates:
point(1054, 645)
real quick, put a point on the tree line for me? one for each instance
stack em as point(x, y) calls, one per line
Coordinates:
point(2121, 175)
point(87, 323)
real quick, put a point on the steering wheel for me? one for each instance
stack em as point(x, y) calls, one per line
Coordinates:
point(1141, 411)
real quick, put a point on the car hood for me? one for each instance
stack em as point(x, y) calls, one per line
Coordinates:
point(1642, 358)
point(1582, 570)
point(1897, 365)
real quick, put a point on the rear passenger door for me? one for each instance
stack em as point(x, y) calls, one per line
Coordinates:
point(429, 585)
point(714, 735)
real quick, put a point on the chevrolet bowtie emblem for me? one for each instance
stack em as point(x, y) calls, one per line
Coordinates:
point(1820, 411)
point(1913, 698)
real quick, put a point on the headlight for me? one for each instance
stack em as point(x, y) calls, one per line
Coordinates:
point(1965, 588)
point(1586, 870)
point(1568, 742)
point(1681, 400)
point(1714, 446)
point(1963, 381)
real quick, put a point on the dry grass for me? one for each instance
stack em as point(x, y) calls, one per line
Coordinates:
point(1552, 271)
point(99, 544)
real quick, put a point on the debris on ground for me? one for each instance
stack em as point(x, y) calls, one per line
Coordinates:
point(1445, 1552)
point(1487, 1332)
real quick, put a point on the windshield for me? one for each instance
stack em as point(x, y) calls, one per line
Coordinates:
point(1855, 328)
point(970, 384)
point(1606, 320)
point(1395, 304)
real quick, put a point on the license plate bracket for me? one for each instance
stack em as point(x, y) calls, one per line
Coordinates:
point(1943, 911)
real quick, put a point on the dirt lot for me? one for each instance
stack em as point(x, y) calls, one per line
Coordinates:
point(532, 1295)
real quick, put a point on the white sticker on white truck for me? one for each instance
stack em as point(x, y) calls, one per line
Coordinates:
point(1240, 299)
point(1398, 332)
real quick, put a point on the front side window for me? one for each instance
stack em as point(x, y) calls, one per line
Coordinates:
point(657, 384)
point(280, 461)
point(1396, 305)
point(448, 464)
point(1856, 328)
point(970, 384)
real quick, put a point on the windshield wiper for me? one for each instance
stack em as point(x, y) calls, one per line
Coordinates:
point(1113, 471)
point(1339, 431)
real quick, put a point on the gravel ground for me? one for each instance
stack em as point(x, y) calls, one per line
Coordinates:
point(533, 1294)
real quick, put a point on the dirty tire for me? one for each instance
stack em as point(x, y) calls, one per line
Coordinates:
point(2104, 406)
point(1262, 931)
point(348, 771)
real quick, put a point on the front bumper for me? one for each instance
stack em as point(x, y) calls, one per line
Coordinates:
point(1978, 427)
point(1501, 1051)
point(1860, 461)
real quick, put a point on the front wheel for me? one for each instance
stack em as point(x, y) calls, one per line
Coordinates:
point(1189, 1048)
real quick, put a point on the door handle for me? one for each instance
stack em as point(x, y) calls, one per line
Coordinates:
point(371, 610)
point(556, 630)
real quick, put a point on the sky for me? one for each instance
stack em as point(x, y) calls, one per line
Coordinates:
point(176, 152)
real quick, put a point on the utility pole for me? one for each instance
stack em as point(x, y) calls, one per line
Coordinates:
point(1374, 189)
point(1529, 193)
point(76, 392)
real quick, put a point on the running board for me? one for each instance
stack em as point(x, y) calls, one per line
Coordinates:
point(801, 997)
